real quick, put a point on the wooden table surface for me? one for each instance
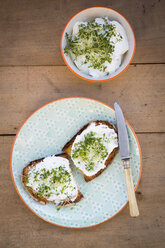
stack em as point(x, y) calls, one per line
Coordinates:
point(32, 73)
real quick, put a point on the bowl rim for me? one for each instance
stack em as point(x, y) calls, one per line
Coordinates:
point(93, 80)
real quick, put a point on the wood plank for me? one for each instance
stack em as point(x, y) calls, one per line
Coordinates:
point(21, 228)
point(30, 31)
point(139, 90)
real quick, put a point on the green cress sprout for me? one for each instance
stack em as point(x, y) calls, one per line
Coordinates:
point(50, 181)
point(94, 42)
point(91, 149)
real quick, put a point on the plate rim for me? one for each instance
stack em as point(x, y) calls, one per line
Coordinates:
point(11, 154)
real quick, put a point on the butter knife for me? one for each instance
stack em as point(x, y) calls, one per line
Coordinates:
point(125, 156)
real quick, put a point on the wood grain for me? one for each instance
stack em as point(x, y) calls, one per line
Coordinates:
point(30, 30)
point(139, 90)
point(21, 228)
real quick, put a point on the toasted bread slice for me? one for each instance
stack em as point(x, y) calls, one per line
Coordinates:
point(68, 148)
point(42, 198)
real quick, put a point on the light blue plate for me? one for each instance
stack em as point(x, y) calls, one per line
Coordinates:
point(44, 133)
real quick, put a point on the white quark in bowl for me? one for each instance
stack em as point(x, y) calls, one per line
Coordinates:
point(97, 47)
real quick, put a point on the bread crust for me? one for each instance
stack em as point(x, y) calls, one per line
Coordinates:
point(33, 194)
point(68, 146)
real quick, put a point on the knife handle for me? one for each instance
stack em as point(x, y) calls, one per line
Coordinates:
point(133, 207)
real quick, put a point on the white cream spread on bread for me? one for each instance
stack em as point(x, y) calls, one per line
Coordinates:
point(92, 147)
point(52, 179)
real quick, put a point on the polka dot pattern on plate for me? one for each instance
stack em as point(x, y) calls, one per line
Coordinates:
point(45, 133)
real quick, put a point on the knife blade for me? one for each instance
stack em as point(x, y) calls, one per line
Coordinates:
point(122, 133)
point(125, 156)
